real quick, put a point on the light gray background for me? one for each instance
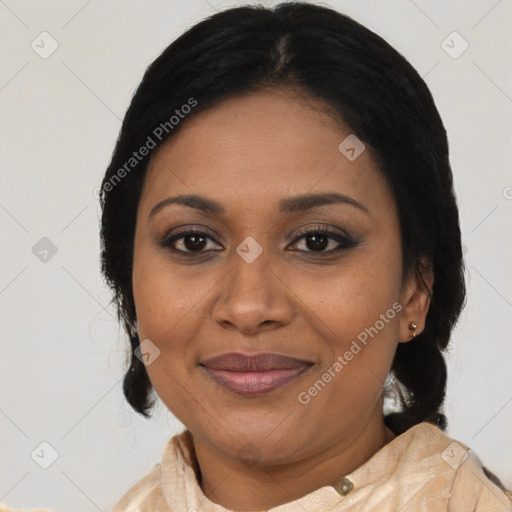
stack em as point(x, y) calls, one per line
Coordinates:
point(62, 356)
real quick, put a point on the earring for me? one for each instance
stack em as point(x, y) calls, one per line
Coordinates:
point(413, 327)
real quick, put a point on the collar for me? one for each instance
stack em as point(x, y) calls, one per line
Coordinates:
point(416, 451)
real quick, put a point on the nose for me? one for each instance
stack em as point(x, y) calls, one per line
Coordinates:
point(253, 297)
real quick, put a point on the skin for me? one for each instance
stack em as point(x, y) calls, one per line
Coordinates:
point(247, 154)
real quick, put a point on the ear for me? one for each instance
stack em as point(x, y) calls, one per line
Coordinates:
point(415, 300)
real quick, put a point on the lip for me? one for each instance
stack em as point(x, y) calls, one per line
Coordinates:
point(254, 374)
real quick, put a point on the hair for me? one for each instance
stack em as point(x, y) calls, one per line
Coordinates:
point(367, 85)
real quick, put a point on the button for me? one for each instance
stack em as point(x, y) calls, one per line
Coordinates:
point(344, 486)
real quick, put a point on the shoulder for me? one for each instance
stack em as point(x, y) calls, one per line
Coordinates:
point(474, 483)
point(145, 491)
point(425, 469)
point(165, 479)
point(469, 485)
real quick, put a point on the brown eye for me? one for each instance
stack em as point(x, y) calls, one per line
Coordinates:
point(194, 242)
point(189, 241)
point(318, 239)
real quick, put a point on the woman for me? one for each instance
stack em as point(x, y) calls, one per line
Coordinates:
point(282, 239)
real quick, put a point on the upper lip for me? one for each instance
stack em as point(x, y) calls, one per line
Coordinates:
point(238, 362)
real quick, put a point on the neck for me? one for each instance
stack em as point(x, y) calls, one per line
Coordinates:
point(237, 486)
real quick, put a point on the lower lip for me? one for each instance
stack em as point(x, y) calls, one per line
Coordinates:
point(255, 383)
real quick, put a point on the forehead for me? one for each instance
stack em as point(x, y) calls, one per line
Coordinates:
point(263, 147)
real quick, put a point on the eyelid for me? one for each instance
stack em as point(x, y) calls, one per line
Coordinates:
point(324, 228)
point(190, 228)
point(302, 231)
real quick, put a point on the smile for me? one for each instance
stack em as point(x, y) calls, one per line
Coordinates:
point(255, 382)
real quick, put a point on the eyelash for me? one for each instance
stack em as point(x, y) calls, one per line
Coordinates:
point(344, 241)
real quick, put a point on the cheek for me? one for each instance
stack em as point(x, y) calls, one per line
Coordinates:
point(357, 356)
point(164, 295)
point(165, 304)
point(356, 313)
point(351, 298)
point(171, 303)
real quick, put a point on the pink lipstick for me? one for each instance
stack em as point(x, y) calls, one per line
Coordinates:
point(255, 374)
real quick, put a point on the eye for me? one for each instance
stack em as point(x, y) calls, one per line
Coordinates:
point(193, 242)
point(189, 240)
point(317, 239)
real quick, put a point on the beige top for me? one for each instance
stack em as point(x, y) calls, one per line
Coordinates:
point(421, 470)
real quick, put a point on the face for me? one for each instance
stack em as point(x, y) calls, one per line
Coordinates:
point(256, 276)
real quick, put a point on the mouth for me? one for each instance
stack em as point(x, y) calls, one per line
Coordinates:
point(255, 374)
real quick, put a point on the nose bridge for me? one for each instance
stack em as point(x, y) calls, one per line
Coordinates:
point(251, 294)
point(251, 279)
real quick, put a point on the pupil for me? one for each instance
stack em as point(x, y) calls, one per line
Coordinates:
point(193, 246)
point(316, 244)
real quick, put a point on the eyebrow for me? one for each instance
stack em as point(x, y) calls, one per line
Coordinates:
point(288, 205)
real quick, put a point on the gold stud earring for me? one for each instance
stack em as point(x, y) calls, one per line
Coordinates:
point(413, 327)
